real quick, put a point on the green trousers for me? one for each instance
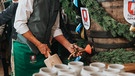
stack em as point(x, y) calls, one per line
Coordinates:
point(25, 61)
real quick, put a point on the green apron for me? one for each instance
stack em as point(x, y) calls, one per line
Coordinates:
point(25, 61)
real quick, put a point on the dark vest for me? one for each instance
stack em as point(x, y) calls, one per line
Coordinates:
point(41, 21)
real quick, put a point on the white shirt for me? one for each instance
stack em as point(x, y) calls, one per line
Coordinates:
point(23, 12)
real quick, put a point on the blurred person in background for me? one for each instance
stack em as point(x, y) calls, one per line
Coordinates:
point(6, 22)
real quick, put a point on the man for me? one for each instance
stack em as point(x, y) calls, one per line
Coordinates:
point(7, 18)
point(36, 22)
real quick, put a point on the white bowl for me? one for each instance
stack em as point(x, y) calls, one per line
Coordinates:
point(87, 70)
point(99, 65)
point(76, 65)
point(58, 67)
point(126, 74)
point(116, 66)
point(47, 71)
point(39, 74)
point(98, 74)
point(66, 72)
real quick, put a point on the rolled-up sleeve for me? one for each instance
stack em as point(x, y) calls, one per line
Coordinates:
point(56, 31)
point(23, 12)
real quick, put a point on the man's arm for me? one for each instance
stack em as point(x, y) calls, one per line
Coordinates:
point(21, 25)
point(58, 35)
point(43, 48)
point(61, 39)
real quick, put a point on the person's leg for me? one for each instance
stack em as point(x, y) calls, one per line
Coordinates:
point(5, 65)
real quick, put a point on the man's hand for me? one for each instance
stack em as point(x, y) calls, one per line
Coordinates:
point(75, 50)
point(44, 49)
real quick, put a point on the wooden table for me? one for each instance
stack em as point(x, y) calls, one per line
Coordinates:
point(130, 67)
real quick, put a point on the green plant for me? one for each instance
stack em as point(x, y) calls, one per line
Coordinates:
point(121, 56)
point(98, 14)
point(68, 8)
